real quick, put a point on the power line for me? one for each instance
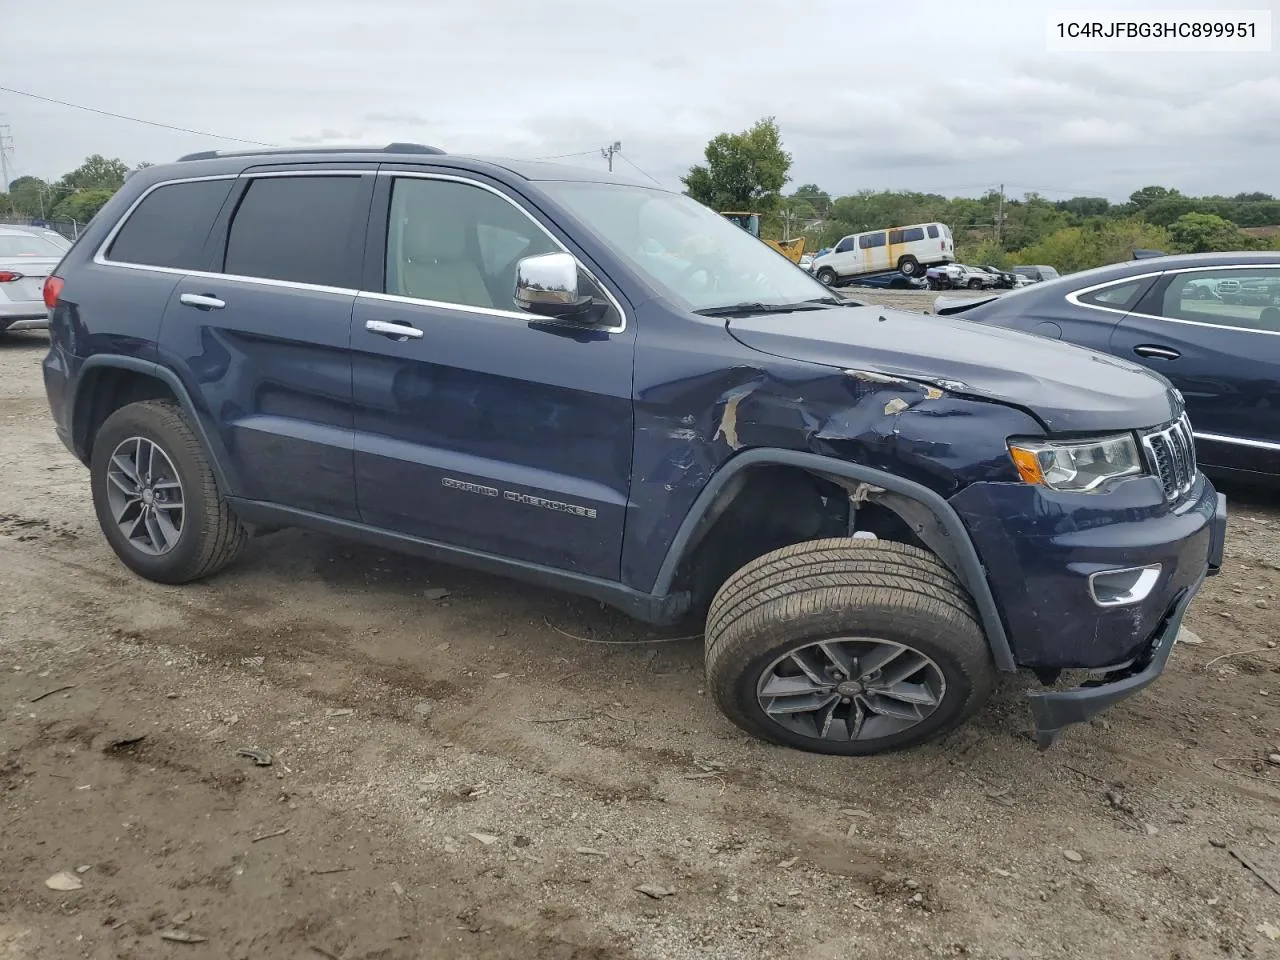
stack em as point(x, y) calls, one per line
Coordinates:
point(121, 116)
point(633, 163)
point(564, 156)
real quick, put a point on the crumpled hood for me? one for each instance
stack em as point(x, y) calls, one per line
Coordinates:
point(1069, 388)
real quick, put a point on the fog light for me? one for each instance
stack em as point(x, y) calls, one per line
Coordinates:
point(1116, 588)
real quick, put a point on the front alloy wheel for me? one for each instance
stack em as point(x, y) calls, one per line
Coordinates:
point(846, 646)
point(851, 688)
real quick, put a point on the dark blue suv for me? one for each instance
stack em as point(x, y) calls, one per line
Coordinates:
point(605, 387)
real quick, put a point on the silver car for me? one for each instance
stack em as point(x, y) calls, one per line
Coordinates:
point(26, 258)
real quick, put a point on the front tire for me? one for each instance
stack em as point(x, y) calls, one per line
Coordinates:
point(827, 277)
point(847, 647)
point(156, 496)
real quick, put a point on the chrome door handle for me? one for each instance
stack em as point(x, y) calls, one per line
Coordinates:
point(400, 330)
point(201, 300)
point(1160, 353)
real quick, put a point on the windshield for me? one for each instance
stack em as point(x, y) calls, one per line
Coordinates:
point(27, 245)
point(697, 257)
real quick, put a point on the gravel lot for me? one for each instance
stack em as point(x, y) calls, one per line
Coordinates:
point(467, 767)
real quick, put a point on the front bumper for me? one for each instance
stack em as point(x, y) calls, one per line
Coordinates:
point(1040, 550)
point(1054, 710)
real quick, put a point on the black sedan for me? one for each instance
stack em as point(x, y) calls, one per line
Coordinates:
point(1210, 322)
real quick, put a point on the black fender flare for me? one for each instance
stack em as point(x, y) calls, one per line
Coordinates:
point(218, 456)
point(963, 557)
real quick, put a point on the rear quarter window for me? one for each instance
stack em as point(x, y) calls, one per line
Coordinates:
point(171, 224)
point(933, 232)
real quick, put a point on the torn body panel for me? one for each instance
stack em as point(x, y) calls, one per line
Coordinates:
point(696, 409)
point(1067, 389)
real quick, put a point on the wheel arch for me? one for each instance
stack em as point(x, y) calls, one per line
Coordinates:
point(928, 516)
point(107, 382)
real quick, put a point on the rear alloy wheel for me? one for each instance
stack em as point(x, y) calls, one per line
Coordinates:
point(156, 496)
point(846, 646)
point(909, 266)
point(827, 277)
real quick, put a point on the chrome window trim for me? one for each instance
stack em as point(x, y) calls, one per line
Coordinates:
point(1073, 297)
point(496, 311)
point(101, 258)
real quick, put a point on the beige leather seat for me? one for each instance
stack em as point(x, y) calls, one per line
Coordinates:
point(438, 264)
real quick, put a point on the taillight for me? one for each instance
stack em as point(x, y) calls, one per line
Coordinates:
point(52, 290)
point(7, 276)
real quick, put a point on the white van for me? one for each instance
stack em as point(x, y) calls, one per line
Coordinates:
point(911, 250)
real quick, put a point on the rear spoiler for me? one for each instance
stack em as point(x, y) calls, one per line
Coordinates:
point(948, 306)
point(1141, 254)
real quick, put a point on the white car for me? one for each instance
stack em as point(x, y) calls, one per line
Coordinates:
point(26, 258)
point(910, 250)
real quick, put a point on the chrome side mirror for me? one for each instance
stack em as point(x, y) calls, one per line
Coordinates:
point(547, 285)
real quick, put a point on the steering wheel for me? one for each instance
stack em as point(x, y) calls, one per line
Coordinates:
point(702, 263)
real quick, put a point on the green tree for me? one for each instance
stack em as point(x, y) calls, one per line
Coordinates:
point(1206, 232)
point(744, 171)
point(1086, 206)
point(97, 173)
point(1029, 221)
point(82, 205)
point(1141, 199)
point(31, 197)
point(815, 196)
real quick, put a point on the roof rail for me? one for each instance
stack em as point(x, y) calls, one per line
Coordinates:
point(268, 151)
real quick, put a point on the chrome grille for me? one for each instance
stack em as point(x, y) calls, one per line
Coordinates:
point(1171, 452)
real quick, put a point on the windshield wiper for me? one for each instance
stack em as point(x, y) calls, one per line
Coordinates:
point(747, 309)
point(836, 302)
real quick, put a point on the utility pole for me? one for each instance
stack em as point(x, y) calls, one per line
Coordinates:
point(6, 147)
point(1000, 218)
point(609, 151)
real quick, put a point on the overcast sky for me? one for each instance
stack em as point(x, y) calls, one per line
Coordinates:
point(932, 95)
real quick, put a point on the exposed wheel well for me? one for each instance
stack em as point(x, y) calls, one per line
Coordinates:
point(769, 507)
point(104, 391)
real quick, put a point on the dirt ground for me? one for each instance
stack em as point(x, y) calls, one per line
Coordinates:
point(491, 772)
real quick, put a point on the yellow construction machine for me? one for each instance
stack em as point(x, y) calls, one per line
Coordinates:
point(793, 250)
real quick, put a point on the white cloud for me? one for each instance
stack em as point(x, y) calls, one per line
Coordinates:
point(865, 96)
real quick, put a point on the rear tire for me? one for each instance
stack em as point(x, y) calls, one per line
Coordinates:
point(196, 539)
point(864, 601)
point(909, 266)
point(827, 277)
point(975, 284)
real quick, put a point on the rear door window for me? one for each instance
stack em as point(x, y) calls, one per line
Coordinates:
point(171, 224)
point(1246, 298)
point(301, 229)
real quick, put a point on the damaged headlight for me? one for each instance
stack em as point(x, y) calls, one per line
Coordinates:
point(1076, 466)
